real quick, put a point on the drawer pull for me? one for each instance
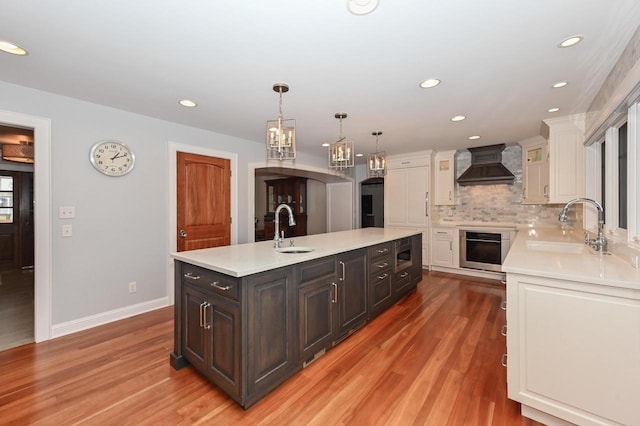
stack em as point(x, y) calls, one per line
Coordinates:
point(503, 305)
point(404, 275)
point(191, 276)
point(216, 284)
point(383, 265)
point(503, 361)
point(503, 331)
point(383, 276)
point(382, 250)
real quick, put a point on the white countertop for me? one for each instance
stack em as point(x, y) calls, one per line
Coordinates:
point(245, 259)
point(553, 262)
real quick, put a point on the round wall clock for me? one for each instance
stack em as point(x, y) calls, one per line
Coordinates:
point(112, 158)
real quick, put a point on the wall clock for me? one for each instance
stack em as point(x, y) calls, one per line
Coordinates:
point(112, 158)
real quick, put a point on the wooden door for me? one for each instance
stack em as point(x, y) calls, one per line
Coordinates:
point(204, 201)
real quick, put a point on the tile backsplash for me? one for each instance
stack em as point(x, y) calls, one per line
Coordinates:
point(498, 203)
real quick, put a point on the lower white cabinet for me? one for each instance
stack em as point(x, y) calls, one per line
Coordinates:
point(442, 246)
point(573, 351)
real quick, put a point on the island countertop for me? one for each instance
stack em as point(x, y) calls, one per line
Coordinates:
point(245, 259)
point(561, 254)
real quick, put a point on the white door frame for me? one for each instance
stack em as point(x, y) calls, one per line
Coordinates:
point(42, 217)
point(172, 240)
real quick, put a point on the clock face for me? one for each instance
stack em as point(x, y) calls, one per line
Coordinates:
point(112, 158)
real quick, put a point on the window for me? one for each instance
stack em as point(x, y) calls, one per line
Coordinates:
point(6, 199)
point(622, 177)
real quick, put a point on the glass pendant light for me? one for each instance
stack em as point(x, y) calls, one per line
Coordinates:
point(376, 162)
point(341, 153)
point(281, 133)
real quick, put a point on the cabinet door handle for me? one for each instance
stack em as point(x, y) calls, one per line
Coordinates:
point(202, 313)
point(503, 361)
point(216, 284)
point(204, 310)
point(383, 265)
point(546, 190)
point(404, 275)
point(335, 293)
point(426, 204)
point(450, 245)
point(343, 270)
point(503, 331)
point(383, 276)
point(191, 276)
point(449, 195)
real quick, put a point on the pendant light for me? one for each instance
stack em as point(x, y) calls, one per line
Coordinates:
point(341, 153)
point(281, 133)
point(376, 162)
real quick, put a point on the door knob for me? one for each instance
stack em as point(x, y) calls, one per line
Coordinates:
point(183, 233)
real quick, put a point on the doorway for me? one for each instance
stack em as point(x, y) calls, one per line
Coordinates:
point(16, 237)
point(372, 203)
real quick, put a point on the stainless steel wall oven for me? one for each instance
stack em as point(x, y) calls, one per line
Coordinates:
point(484, 250)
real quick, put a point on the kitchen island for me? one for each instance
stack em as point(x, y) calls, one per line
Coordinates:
point(573, 336)
point(249, 316)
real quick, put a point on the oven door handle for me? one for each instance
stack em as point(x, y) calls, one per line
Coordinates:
point(483, 241)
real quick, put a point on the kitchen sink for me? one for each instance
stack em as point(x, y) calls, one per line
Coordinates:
point(295, 250)
point(557, 247)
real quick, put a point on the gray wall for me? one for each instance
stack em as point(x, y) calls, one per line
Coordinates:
point(121, 225)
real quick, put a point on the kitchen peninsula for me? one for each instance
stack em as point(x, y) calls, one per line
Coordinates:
point(249, 316)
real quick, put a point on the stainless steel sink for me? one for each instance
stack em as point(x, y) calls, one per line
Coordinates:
point(295, 250)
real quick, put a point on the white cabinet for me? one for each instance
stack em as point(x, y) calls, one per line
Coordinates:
point(406, 192)
point(535, 164)
point(573, 350)
point(444, 178)
point(566, 157)
point(442, 246)
point(406, 195)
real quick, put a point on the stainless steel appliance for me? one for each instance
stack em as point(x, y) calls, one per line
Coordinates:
point(483, 249)
point(403, 255)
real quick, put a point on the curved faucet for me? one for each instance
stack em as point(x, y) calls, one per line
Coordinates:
point(600, 242)
point(277, 239)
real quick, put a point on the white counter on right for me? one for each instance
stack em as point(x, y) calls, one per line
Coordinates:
point(562, 261)
point(573, 331)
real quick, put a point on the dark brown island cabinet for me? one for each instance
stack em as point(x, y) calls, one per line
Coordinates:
point(249, 334)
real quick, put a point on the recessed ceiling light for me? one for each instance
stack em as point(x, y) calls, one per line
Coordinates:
point(362, 7)
point(458, 118)
point(560, 84)
point(14, 49)
point(187, 103)
point(553, 109)
point(430, 82)
point(359, 155)
point(325, 144)
point(474, 137)
point(571, 41)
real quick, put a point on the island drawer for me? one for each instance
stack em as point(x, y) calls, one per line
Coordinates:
point(402, 281)
point(380, 250)
point(210, 281)
point(380, 265)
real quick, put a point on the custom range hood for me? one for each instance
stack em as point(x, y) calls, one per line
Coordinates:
point(486, 167)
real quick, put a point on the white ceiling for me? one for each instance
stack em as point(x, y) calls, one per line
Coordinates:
point(497, 60)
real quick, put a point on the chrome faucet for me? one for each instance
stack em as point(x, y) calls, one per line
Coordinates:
point(277, 238)
point(600, 242)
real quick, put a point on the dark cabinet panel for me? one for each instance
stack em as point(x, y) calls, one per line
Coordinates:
point(352, 291)
point(271, 335)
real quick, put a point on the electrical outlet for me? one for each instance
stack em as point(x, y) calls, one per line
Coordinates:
point(67, 212)
point(67, 230)
point(132, 287)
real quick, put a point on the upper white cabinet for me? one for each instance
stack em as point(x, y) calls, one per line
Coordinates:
point(445, 174)
point(535, 165)
point(406, 190)
point(566, 157)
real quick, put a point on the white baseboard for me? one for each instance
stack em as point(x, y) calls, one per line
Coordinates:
point(470, 272)
point(85, 323)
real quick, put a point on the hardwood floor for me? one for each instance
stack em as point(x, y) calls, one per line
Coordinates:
point(16, 307)
point(431, 359)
